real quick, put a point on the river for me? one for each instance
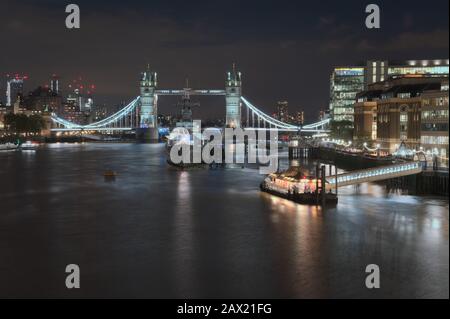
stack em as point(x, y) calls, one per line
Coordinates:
point(157, 232)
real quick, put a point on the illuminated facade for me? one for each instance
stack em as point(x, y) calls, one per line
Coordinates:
point(148, 112)
point(345, 83)
point(365, 125)
point(375, 71)
point(434, 122)
point(408, 110)
point(432, 68)
point(233, 92)
point(300, 118)
point(14, 88)
point(283, 111)
point(148, 127)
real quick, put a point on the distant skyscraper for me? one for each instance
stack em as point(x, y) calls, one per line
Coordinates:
point(80, 95)
point(282, 111)
point(300, 118)
point(54, 84)
point(14, 88)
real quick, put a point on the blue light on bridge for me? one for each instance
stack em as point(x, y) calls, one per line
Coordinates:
point(163, 131)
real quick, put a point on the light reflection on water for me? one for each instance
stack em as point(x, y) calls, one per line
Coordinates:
point(159, 232)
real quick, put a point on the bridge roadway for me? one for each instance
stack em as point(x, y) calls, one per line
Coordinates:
point(375, 174)
point(191, 92)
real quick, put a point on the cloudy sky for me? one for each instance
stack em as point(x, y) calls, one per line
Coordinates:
point(285, 49)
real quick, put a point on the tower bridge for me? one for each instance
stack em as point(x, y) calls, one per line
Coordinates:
point(141, 114)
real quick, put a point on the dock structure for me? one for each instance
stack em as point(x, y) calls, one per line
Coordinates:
point(295, 186)
point(376, 174)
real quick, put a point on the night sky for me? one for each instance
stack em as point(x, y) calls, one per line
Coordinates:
point(285, 49)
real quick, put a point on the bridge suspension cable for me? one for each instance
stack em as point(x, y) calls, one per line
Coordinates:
point(276, 124)
point(266, 119)
point(123, 119)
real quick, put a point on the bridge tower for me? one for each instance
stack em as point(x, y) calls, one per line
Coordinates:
point(148, 128)
point(233, 93)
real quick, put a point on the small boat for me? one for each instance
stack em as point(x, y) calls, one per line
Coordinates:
point(8, 147)
point(29, 146)
point(109, 173)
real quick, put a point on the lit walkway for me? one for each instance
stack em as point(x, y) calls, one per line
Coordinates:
point(376, 174)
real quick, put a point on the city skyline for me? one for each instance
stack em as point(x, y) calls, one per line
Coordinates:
point(277, 47)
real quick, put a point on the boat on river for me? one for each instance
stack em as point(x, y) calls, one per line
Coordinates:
point(29, 146)
point(297, 185)
point(8, 147)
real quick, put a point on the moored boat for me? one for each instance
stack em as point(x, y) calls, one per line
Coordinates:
point(29, 146)
point(8, 147)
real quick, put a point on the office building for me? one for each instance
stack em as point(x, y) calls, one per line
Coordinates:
point(14, 88)
point(345, 83)
point(348, 81)
point(434, 122)
point(283, 111)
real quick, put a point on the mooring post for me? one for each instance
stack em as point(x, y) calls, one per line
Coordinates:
point(336, 179)
point(317, 183)
point(323, 172)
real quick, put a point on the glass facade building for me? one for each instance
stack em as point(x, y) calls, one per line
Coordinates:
point(344, 85)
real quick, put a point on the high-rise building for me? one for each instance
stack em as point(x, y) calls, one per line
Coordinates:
point(80, 94)
point(300, 118)
point(345, 83)
point(375, 71)
point(324, 115)
point(283, 111)
point(54, 84)
point(14, 87)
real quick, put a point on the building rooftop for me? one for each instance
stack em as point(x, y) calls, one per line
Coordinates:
point(393, 87)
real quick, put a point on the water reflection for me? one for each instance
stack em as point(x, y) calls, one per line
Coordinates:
point(183, 233)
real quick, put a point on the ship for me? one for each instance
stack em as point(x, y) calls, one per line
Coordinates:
point(296, 184)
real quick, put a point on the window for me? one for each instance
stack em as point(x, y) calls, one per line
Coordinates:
point(440, 140)
point(434, 127)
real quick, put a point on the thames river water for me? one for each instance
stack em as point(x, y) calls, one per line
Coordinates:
point(156, 232)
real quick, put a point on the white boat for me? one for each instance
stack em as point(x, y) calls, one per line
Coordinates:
point(29, 146)
point(8, 147)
